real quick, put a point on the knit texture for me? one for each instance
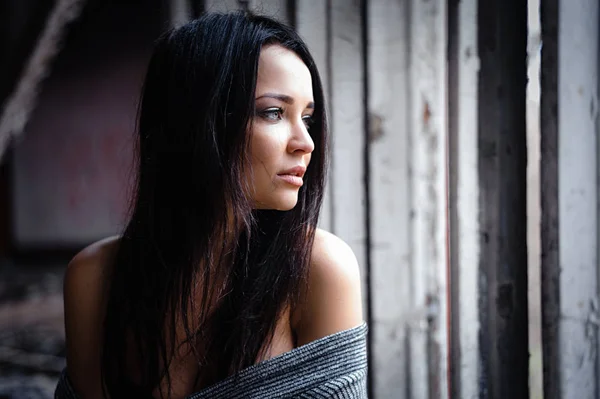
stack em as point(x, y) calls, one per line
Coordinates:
point(332, 367)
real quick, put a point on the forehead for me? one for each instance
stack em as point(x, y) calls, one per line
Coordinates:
point(282, 70)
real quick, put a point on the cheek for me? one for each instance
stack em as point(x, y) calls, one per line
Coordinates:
point(266, 151)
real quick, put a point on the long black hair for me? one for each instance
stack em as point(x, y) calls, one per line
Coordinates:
point(195, 258)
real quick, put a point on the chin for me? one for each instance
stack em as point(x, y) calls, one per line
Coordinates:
point(279, 203)
point(286, 205)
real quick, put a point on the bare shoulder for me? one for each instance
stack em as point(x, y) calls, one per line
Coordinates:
point(84, 291)
point(93, 254)
point(333, 255)
point(333, 301)
point(87, 272)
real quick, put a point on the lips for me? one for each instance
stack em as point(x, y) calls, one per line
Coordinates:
point(293, 175)
point(295, 171)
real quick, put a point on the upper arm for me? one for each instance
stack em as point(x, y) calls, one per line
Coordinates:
point(84, 294)
point(333, 301)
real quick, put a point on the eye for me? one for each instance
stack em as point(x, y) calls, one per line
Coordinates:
point(308, 121)
point(272, 114)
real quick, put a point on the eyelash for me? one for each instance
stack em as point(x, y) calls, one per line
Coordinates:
point(308, 120)
point(271, 111)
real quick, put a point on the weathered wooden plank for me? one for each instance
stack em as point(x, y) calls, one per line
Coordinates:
point(464, 198)
point(311, 23)
point(578, 69)
point(533, 200)
point(569, 167)
point(427, 107)
point(389, 196)
point(502, 152)
point(348, 137)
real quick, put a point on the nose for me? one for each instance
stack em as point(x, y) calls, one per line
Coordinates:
point(300, 140)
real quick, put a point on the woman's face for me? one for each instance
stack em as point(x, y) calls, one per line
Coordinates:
point(280, 143)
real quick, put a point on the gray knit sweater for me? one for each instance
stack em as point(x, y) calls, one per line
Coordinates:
point(333, 367)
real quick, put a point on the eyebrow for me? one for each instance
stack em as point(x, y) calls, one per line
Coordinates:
point(284, 98)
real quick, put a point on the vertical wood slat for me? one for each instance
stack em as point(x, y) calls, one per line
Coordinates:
point(577, 196)
point(569, 181)
point(428, 126)
point(502, 157)
point(389, 192)
point(311, 23)
point(533, 199)
point(347, 122)
point(464, 203)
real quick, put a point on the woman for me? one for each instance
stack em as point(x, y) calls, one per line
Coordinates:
point(221, 285)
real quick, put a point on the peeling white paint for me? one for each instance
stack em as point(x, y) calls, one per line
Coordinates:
point(428, 146)
point(578, 50)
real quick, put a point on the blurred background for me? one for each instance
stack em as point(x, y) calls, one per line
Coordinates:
point(64, 179)
point(397, 76)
